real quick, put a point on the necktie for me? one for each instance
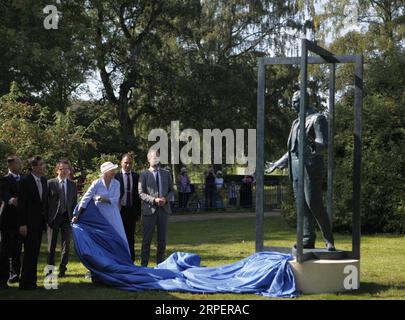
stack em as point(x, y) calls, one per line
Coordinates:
point(39, 186)
point(63, 197)
point(17, 178)
point(158, 181)
point(128, 191)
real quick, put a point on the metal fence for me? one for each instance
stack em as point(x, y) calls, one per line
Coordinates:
point(237, 196)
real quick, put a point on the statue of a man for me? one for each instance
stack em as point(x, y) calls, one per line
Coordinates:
point(316, 132)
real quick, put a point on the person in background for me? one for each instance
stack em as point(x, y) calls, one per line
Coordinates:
point(233, 194)
point(209, 188)
point(10, 238)
point(246, 200)
point(32, 210)
point(219, 186)
point(183, 182)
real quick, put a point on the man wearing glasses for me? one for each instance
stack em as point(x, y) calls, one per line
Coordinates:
point(62, 199)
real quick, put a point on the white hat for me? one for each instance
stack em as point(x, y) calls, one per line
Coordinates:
point(107, 166)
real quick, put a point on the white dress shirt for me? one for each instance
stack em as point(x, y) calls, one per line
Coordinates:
point(15, 176)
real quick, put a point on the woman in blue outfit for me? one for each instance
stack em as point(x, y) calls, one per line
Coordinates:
point(105, 192)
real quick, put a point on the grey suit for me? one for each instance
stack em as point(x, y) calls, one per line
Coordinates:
point(152, 214)
point(60, 213)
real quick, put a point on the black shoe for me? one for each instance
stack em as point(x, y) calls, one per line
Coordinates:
point(14, 279)
point(62, 271)
point(330, 246)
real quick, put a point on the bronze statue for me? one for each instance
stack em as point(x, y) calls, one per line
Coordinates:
point(316, 132)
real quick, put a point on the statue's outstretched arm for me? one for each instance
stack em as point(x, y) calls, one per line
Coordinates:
point(280, 163)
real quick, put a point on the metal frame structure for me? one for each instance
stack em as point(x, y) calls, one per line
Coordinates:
point(323, 57)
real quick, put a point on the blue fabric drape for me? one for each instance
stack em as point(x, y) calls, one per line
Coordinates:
point(105, 254)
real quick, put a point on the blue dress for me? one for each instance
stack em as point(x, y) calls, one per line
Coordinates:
point(110, 212)
point(105, 254)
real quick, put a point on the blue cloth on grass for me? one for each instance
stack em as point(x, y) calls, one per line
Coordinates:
point(105, 254)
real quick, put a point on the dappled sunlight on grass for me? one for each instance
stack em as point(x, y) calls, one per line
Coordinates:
point(220, 242)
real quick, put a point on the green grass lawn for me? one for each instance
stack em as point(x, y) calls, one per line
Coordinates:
point(221, 242)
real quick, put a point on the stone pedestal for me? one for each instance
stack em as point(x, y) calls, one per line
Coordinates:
point(326, 276)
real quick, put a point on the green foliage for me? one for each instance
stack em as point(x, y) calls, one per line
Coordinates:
point(26, 131)
point(195, 61)
point(382, 166)
point(48, 64)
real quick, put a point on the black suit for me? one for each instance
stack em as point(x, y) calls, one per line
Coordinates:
point(32, 212)
point(59, 218)
point(131, 212)
point(9, 223)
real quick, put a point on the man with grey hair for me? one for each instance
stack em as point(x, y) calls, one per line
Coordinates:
point(155, 187)
point(316, 132)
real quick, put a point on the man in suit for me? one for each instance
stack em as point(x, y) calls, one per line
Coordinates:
point(130, 202)
point(316, 132)
point(62, 199)
point(32, 217)
point(4, 265)
point(9, 220)
point(155, 186)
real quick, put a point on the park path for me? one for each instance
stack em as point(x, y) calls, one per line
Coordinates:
point(219, 215)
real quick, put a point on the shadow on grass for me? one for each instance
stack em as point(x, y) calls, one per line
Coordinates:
point(84, 291)
point(374, 288)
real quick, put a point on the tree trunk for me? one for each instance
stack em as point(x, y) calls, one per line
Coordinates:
point(126, 125)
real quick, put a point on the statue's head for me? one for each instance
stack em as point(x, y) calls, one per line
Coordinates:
point(296, 100)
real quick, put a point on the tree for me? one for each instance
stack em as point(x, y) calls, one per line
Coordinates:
point(48, 64)
point(171, 57)
point(27, 131)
